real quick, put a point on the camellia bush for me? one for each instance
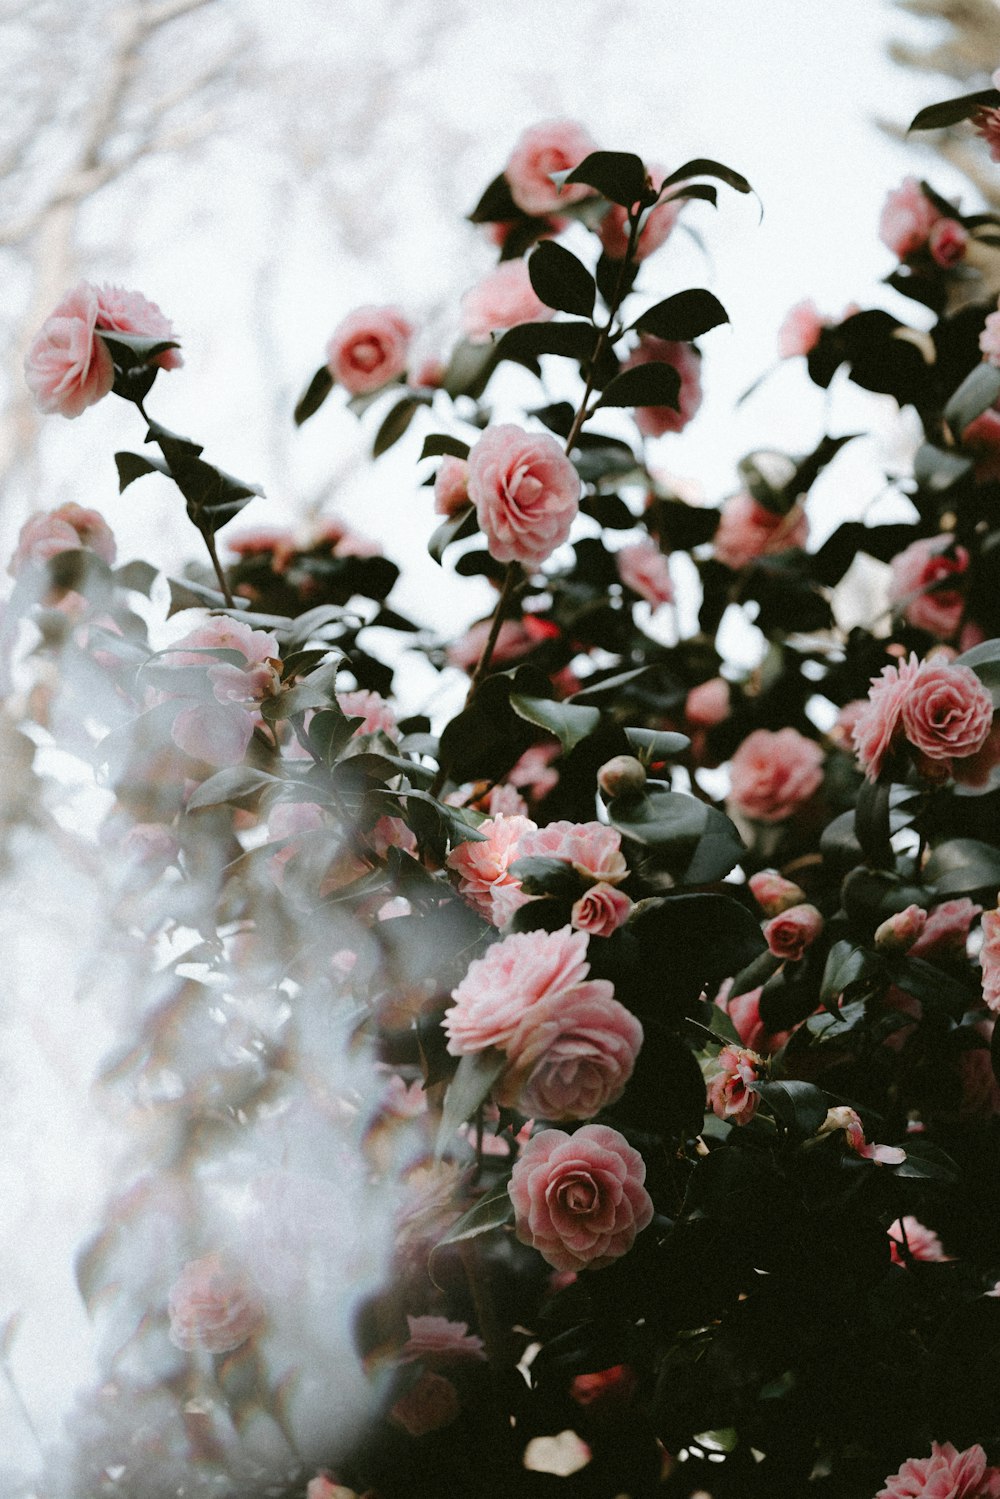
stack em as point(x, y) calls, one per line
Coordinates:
point(653, 1000)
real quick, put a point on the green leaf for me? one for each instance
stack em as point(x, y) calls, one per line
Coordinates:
point(764, 966)
point(871, 823)
point(132, 466)
point(439, 445)
point(229, 785)
point(703, 166)
point(457, 825)
point(137, 576)
point(976, 394)
point(845, 965)
point(951, 111)
point(696, 842)
point(129, 350)
point(570, 722)
point(329, 731)
point(619, 176)
point(396, 423)
point(657, 744)
point(683, 317)
point(928, 1161)
point(317, 691)
point(701, 190)
point(719, 1023)
point(802, 1106)
point(464, 523)
point(938, 469)
point(315, 394)
point(185, 593)
point(653, 384)
point(488, 1213)
point(560, 280)
point(525, 343)
point(609, 686)
point(964, 866)
point(984, 660)
point(546, 876)
point(475, 1075)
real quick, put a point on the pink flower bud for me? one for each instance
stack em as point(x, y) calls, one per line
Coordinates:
point(773, 893)
point(790, 933)
point(601, 911)
point(948, 242)
point(901, 930)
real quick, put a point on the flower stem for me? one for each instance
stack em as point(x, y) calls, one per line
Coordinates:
point(223, 584)
point(602, 333)
point(482, 666)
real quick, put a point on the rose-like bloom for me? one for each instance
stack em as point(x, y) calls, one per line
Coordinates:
point(502, 800)
point(369, 348)
point(372, 708)
point(789, 934)
point(551, 146)
point(571, 1055)
point(773, 893)
point(846, 1119)
point(907, 219)
point(654, 421)
point(909, 1239)
point(483, 869)
point(513, 642)
point(748, 530)
point(212, 1306)
point(948, 242)
point(946, 1474)
point(946, 931)
point(842, 732)
point(947, 713)
point(987, 124)
point(601, 910)
point(502, 300)
point(990, 959)
point(643, 568)
point(451, 486)
point(878, 726)
point(219, 731)
point(744, 1011)
point(526, 493)
point(67, 367)
point(989, 339)
point(899, 932)
point(730, 1096)
point(773, 774)
point(534, 771)
point(657, 223)
point(593, 848)
point(579, 1199)
point(800, 331)
point(121, 311)
point(427, 1406)
point(68, 528)
point(915, 580)
point(708, 703)
point(435, 1340)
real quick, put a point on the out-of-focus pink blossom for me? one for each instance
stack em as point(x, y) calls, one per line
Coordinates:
point(219, 731)
point(800, 331)
point(707, 704)
point(541, 150)
point(915, 579)
point(503, 299)
point(436, 1341)
point(654, 421)
point(790, 933)
point(773, 893)
point(987, 124)
point(900, 931)
point(948, 242)
point(369, 348)
point(372, 708)
point(643, 568)
point(605, 1387)
point(946, 931)
point(427, 1406)
point(748, 530)
point(513, 642)
point(451, 486)
point(274, 541)
point(534, 770)
point(593, 848)
point(730, 1095)
point(526, 493)
point(68, 528)
point(483, 868)
point(657, 223)
point(322, 1487)
point(990, 959)
point(213, 1306)
point(842, 732)
point(989, 339)
point(67, 367)
point(946, 1474)
point(908, 217)
point(601, 910)
point(773, 774)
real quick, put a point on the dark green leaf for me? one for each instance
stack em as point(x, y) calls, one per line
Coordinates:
point(439, 445)
point(315, 394)
point(568, 721)
point(871, 823)
point(496, 204)
point(951, 111)
point(560, 280)
point(527, 341)
point(657, 744)
point(696, 842)
point(938, 469)
point(702, 166)
point(456, 528)
point(976, 394)
point(619, 176)
point(701, 190)
point(684, 316)
point(396, 422)
point(764, 966)
point(801, 1106)
point(132, 466)
point(964, 866)
point(185, 593)
point(546, 876)
point(131, 349)
point(927, 1160)
point(329, 731)
point(475, 1075)
point(488, 1213)
point(654, 384)
point(608, 686)
point(845, 965)
point(229, 785)
point(138, 576)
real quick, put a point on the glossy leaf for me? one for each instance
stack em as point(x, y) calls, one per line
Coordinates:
point(570, 722)
point(475, 1075)
point(132, 466)
point(951, 111)
point(703, 166)
point(619, 176)
point(654, 384)
point(682, 317)
point(560, 280)
point(456, 528)
point(801, 1106)
point(396, 422)
point(314, 395)
point(231, 784)
point(440, 445)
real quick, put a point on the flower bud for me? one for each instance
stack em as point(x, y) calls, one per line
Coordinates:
point(620, 776)
point(790, 932)
point(773, 893)
point(901, 930)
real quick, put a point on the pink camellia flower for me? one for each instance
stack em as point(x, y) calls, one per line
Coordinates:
point(219, 730)
point(593, 848)
point(987, 125)
point(915, 579)
point(748, 530)
point(502, 800)
point(909, 1239)
point(946, 931)
point(730, 1095)
point(451, 486)
point(800, 331)
point(526, 493)
point(643, 568)
point(654, 421)
point(982, 438)
point(369, 348)
point(571, 1055)
point(483, 869)
point(288, 821)
point(708, 703)
point(579, 1199)
point(67, 367)
point(744, 1011)
point(878, 726)
point(551, 146)
point(121, 311)
point(513, 642)
point(68, 528)
point(899, 932)
point(773, 893)
point(948, 242)
point(990, 960)
point(947, 713)
point(322, 1487)
point(435, 1341)
point(946, 1474)
point(276, 542)
point(503, 299)
point(907, 219)
point(848, 1120)
point(534, 772)
point(656, 228)
point(989, 339)
point(213, 1306)
point(773, 774)
point(512, 977)
point(789, 934)
point(377, 714)
point(601, 911)
point(842, 732)
point(427, 1406)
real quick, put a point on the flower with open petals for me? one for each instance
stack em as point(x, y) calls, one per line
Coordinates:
point(773, 774)
point(435, 1341)
point(946, 1474)
point(541, 150)
point(213, 1306)
point(526, 493)
point(369, 348)
point(67, 366)
point(503, 299)
point(990, 959)
point(730, 1095)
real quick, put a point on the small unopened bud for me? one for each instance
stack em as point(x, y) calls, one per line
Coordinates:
point(901, 930)
point(620, 776)
point(773, 893)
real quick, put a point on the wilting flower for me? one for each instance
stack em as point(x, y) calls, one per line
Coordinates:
point(730, 1095)
point(846, 1119)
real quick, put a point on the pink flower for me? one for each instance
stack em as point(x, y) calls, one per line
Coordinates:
point(842, 732)
point(571, 1055)
point(773, 774)
point(946, 931)
point(483, 869)
point(946, 1474)
point(846, 1119)
point(990, 959)
point(947, 713)
point(729, 1093)
point(534, 770)
point(552, 146)
point(800, 331)
point(275, 541)
point(708, 703)
point(502, 300)
point(593, 848)
point(899, 932)
point(657, 223)
point(526, 493)
point(789, 934)
point(218, 730)
point(435, 1340)
point(915, 580)
point(579, 1199)
point(513, 642)
point(322, 1487)
point(369, 348)
point(121, 311)
point(601, 911)
point(907, 219)
point(878, 726)
point(372, 708)
point(614, 1386)
point(989, 339)
point(508, 980)
point(502, 800)
point(451, 486)
point(773, 893)
point(911, 1240)
point(427, 1406)
point(948, 243)
point(212, 1306)
point(748, 530)
point(987, 125)
point(66, 529)
point(654, 421)
point(643, 568)
point(67, 367)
